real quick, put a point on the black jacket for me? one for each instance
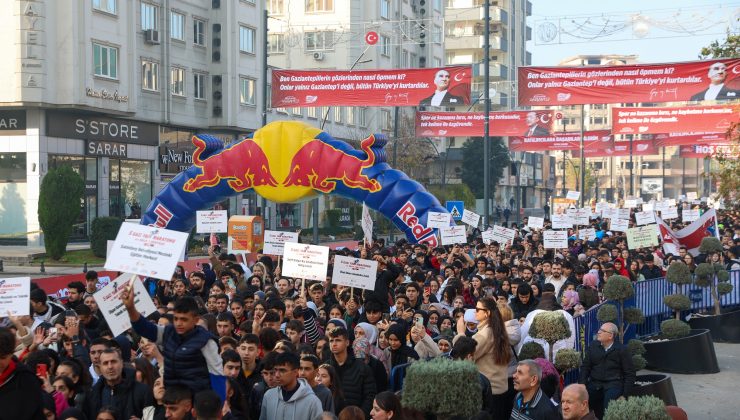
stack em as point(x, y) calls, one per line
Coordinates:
point(20, 396)
point(608, 368)
point(653, 273)
point(358, 384)
point(127, 398)
point(522, 309)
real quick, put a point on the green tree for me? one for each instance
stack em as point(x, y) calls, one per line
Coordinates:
point(573, 176)
point(453, 192)
point(472, 167)
point(728, 175)
point(60, 202)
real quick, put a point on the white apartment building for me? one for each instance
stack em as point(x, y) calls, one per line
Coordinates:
point(612, 174)
point(116, 89)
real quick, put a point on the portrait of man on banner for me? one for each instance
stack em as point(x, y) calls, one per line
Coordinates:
point(442, 95)
point(534, 129)
point(717, 89)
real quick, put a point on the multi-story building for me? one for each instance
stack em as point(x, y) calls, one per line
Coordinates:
point(116, 89)
point(611, 175)
point(330, 35)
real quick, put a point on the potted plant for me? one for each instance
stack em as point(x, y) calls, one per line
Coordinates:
point(678, 348)
point(637, 407)
point(656, 384)
point(724, 326)
point(531, 350)
point(461, 395)
point(550, 326)
point(618, 289)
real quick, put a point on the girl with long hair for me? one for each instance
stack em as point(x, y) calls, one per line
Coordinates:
point(327, 376)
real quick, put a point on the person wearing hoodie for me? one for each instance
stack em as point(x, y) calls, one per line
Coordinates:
point(294, 398)
point(398, 351)
point(524, 302)
point(118, 389)
point(20, 389)
point(620, 268)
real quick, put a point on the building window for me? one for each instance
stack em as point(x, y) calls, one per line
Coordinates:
point(362, 116)
point(149, 14)
point(338, 114)
point(276, 7)
point(199, 86)
point(13, 167)
point(317, 6)
point(312, 112)
point(177, 83)
point(351, 116)
point(247, 94)
point(199, 32)
point(437, 34)
point(385, 45)
point(385, 9)
point(108, 6)
point(320, 41)
point(105, 60)
point(276, 43)
point(297, 111)
point(405, 59)
point(437, 5)
point(177, 26)
point(149, 75)
point(246, 39)
point(437, 62)
point(385, 119)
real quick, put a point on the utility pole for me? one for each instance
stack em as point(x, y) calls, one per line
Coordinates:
point(632, 192)
point(392, 238)
point(583, 160)
point(263, 202)
point(486, 114)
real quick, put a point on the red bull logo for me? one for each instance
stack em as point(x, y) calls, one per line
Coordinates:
point(229, 164)
point(407, 214)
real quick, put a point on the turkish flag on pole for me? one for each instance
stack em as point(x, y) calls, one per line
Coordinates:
point(691, 235)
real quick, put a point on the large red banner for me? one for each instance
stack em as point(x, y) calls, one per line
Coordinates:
point(448, 86)
point(666, 82)
point(681, 139)
point(702, 151)
point(657, 120)
point(507, 123)
point(621, 148)
point(598, 139)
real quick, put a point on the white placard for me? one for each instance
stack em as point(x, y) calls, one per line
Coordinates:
point(470, 218)
point(15, 296)
point(573, 195)
point(648, 206)
point(555, 239)
point(659, 205)
point(630, 204)
point(367, 225)
point(438, 219)
point(581, 217)
point(354, 272)
point(691, 195)
point(619, 225)
point(305, 261)
point(453, 235)
point(108, 247)
point(111, 305)
point(610, 213)
point(536, 222)
point(623, 214)
point(503, 235)
point(690, 215)
point(672, 202)
point(147, 251)
point(275, 241)
point(600, 207)
point(561, 221)
point(669, 213)
point(487, 236)
point(211, 221)
point(644, 218)
point(587, 234)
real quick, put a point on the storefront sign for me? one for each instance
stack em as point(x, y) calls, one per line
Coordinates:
point(106, 95)
point(105, 148)
point(87, 127)
point(12, 122)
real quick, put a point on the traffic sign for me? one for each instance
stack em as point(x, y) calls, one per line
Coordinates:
point(456, 209)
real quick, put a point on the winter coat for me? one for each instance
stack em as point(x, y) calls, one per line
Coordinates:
point(128, 398)
point(611, 368)
point(20, 395)
point(303, 404)
point(358, 384)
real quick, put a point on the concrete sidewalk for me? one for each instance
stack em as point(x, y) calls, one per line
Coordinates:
point(35, 273)
point(711, 396)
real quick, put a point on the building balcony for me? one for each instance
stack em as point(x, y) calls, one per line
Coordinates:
point(475, 42)
point(496, 71)
point(466, 13)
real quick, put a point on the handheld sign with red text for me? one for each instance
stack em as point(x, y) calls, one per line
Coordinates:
point(146, 251)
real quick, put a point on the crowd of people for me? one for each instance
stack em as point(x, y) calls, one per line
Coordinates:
point(241, 341)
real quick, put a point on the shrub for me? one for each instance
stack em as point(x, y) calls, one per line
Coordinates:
point(636, 347)
point(713, 276)
point(710, 245)
point(607, 313)
point(619, 289)
point(461, 395)
point(677, 302)
point(60, 203)
point(638, 362)
point(531, 350)
point(674, 328)
point(678, 273)
point(567, 359)
point(551, 327)
point(633, 316)
point(637, 408)
point(103, 229)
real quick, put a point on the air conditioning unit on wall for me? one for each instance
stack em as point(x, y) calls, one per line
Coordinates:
point(318, 56)
point(151, 36)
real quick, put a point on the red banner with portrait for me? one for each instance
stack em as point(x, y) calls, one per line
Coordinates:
point(665, 82)
point(685, 139)
point(448, 86)
point(657, 120)
point(597, 139)
point(622, 148)
point(701, 151)
point(505, 123)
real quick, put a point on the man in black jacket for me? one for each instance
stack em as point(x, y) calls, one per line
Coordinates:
point(118, 388)
point(607, 369)
point(20, 390)
point(357, 380)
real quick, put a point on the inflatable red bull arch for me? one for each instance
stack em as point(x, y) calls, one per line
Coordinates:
point(290, 162)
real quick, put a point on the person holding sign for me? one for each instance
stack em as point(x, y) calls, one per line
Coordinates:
point(190, 352)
